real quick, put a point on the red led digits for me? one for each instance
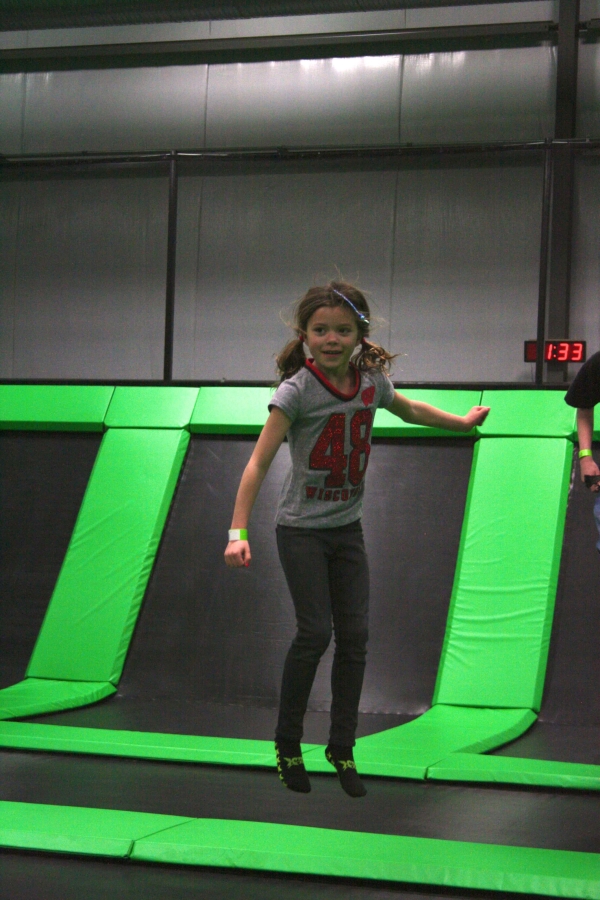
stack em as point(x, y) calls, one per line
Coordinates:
point(557, 351)
point(577, 354)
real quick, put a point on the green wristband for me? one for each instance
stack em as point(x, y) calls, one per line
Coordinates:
point(238, 534)
point(583, 453)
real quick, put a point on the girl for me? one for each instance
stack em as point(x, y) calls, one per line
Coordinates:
point(325, 405)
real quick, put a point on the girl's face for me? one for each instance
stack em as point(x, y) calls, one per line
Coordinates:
point(332, 336)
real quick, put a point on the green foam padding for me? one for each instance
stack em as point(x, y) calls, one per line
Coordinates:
point(244, 410)
point(231, 410)
point(498, 633)
point(516, 770)
point(350, 854)
point(51, 407)
point(35, 696)
point(75, 829)
point(457, 402)
point(222, 843)
point(88, 625)
point(151, 407)
point(408, 750)
point(528, 414)
point(139, 745)
point(403, 752)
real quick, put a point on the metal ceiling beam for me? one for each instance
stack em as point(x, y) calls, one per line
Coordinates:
point(276, 46)
point(39, 14)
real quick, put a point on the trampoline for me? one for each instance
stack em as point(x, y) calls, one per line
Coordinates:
point(139, 735)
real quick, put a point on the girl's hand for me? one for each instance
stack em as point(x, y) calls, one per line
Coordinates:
point(587, 466)
point(476, 416)
point(237, 554)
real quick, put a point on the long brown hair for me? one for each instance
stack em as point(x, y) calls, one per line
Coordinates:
point(336, 293)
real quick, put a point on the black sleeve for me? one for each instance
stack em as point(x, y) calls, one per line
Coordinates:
point(584, 392)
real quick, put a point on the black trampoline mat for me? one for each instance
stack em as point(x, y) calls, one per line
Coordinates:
point(213, 640)
point(551, 819)
point(207, 719)
point(43, 476)
point(561, 743)
point(26, 876)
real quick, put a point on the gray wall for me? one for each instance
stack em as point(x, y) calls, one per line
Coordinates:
point(475, 95)
point(448, 254)
point(82, 274)
point(585, 296)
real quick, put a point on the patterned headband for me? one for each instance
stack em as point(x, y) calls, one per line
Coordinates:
point(361, 316)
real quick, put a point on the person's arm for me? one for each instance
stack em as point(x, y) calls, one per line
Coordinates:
point(270, 439)
point(585, 432)
point(418, 413)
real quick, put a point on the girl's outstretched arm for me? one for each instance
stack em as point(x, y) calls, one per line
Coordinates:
point(419, 413)
point(269, 441)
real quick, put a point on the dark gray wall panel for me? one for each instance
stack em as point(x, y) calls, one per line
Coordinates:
point(588, 91)
point(12, 89)
point(304, 102)
point(466, 273)
point(89, 278)
point(115, 110)
point(478, 95)
point(9, 226)
point(250, 245)
point(585, 290)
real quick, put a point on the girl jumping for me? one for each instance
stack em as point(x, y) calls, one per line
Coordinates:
point(325, 405)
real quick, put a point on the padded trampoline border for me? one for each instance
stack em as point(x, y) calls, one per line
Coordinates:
point(207, 415)
point(203, 410)
point(262, 846)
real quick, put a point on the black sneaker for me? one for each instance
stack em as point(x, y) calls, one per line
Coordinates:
point(342, 759)
point(290, 766)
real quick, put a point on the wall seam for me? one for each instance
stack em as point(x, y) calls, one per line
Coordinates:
point(205, 124)
point(393, 260)
point(196, 278)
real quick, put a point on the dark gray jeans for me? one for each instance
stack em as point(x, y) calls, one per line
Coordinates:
point(328, 576)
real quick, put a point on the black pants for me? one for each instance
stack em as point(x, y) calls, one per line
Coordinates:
point(328, 576)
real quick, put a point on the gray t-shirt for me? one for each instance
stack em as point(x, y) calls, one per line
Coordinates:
point(330, 442)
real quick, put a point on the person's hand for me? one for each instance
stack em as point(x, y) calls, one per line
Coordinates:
point(237, 554)
point(475, 416)
point(587, 466)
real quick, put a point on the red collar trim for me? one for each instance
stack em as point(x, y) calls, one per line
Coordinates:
point(309, 363)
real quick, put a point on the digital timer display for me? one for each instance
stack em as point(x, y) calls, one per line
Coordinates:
point(557, 351)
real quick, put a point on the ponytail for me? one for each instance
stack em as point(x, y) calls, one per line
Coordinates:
point(372, 356)
point(291, 359)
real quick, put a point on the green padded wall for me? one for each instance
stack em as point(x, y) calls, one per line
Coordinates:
point(265, 846)
point(498, 632)
point(350, 854)
point(139, 744)
point(231, 410)
point(51, 407)
point(74, 829)
point(528, 414)
point(34, 696)
point(151, 407)
point(408, 751)
point(244, 410)
point(457, 402)
point(515, 770)
point(92, 612)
